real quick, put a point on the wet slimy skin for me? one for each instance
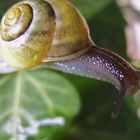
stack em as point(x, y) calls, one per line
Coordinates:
point(103, 65)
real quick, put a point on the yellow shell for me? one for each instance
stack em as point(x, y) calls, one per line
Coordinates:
point(34, 31)
point(13, 24)
point(71, 36)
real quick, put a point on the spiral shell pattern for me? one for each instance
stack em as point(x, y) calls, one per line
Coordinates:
point(26, 34)
point(37, 31)
point(16, 21)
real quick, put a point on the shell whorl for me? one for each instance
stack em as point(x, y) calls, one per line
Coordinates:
point(16, 21)
point(28, 46)
point(37, 31)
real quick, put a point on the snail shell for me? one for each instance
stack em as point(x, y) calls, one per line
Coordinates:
point(37, 31)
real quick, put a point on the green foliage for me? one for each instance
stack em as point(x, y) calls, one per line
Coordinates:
point(47, 94)
point(39, 94)
point(86, 6)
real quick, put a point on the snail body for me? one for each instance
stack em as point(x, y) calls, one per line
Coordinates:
point(103, 65)
point(54, 33)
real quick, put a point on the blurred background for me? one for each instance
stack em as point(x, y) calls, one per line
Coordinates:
point(114, 25)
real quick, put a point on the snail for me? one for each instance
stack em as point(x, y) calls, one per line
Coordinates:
point(54, 34)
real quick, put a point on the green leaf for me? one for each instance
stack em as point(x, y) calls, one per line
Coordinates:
point(90, 8)
point(28, 99)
